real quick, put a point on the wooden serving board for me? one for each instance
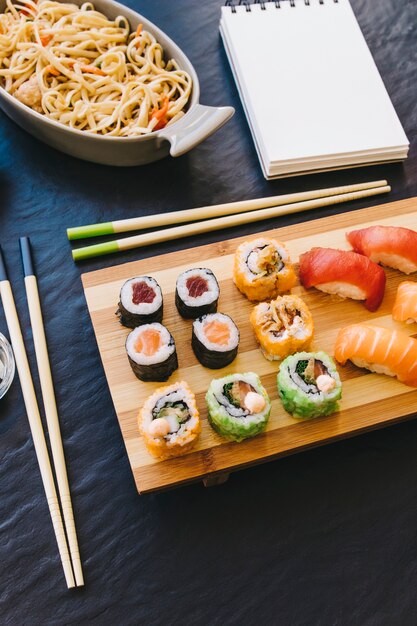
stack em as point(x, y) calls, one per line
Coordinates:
point(369, 400)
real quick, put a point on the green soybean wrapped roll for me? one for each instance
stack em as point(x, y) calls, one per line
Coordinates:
point(238, 406)
point(309, 385)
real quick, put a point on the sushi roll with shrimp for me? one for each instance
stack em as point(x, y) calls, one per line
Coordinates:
point(309, 385)
point(379, 350)
point(151, 352)
point(169, 421)
point(215, 340)
point(238, 406)
point(282, 326)
point(405, 305)
point(140, 302)
point(263, 269)
point(392, 246)
point(197, 293)
point(343, 273)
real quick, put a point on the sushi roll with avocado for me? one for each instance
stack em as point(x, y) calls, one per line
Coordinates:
point(238, 406)
point(197, 293)
point(215, 340)
point(309, 385)
point(140, 302)
point(151, 352)
point(169, 421)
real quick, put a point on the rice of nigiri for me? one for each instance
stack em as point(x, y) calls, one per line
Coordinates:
point(379, 350)
point(405, 305)
point(393, 246)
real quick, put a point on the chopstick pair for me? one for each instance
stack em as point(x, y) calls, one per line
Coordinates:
point(73, 573)
point(215, 217)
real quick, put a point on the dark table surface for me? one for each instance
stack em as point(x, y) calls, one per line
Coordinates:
point(324, 537)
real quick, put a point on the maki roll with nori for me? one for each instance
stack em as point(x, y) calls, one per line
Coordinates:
point(152, 353)
point(282, 326)
point(215, 340)
point(309, 385)
point(169, 421)
point(262, 269)
point(197, 293)
point(238, 406)
point(140, 302)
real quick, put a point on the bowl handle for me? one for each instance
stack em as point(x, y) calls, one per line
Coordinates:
point(199, 122)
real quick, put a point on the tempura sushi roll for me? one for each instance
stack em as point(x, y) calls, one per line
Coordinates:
point(379, 350)
point(197, 293)
point(215, 340)
point(309, 385)
point(405, 305)
point(169, 421)
point(151, 352)
point(238, 406)
point(263, 269)
point(282, 326)
point(344, 273)
point(392, 246)
point(140, 302)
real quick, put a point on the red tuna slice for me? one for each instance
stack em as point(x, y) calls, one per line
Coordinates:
point(196, 285)
point(142, 293)
point(393, 240)
point(326, 265)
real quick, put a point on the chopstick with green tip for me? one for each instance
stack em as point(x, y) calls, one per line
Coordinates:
point(207, 212)
point(204, 226)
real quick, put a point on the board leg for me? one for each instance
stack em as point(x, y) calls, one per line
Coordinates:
point(215, 479)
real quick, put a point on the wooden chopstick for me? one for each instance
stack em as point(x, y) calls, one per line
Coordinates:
point(204, 226)
point(35, 423)
point(49, 401)
point(208, 212)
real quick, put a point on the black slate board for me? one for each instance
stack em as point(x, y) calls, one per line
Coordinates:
point(327, 537)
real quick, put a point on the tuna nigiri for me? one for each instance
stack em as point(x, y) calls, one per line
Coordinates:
point(390, 245)
point(380, 350)
point(405, 305)
point(344, 273)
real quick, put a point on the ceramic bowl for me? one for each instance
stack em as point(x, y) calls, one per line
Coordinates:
point(196, 125)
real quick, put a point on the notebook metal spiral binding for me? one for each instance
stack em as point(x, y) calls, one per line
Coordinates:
point(278, 3)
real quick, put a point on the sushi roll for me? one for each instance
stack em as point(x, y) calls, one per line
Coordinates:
point(309, 385)
point(140, 302)
point(197, 293)
point(238, 406)
point(392, 246)
point(263, 269)
point(215, 340)
point(405, 305)
point(282, 326)
point(151, 352)
point(169, 421)
point(379, 350)
point(344, 273)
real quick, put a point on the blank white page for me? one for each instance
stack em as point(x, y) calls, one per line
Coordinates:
point(310, 84)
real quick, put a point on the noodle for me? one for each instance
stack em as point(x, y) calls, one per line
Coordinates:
point(83, 70)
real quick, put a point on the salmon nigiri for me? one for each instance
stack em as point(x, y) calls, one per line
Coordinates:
point(344, 273)
point(392, 246)
point(405, 305)
point(380, 350)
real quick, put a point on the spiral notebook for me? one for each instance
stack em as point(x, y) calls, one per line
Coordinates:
point(312, 94)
